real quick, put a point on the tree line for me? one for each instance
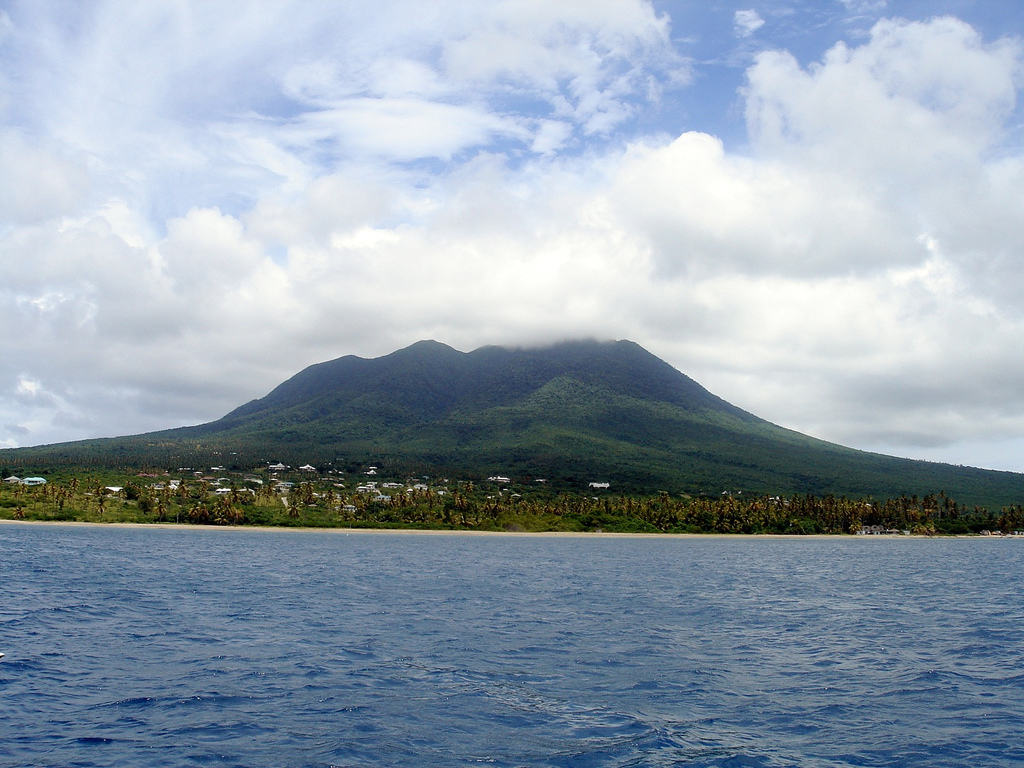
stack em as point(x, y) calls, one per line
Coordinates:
point(466, 506)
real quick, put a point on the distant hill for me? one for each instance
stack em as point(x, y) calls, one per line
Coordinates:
point(571, 413)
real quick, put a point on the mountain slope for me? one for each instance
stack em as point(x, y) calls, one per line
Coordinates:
point(570, 413)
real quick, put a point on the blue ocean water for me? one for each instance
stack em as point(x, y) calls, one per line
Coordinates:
point(199, 647)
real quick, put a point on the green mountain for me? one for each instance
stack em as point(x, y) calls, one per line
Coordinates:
point(571, 414)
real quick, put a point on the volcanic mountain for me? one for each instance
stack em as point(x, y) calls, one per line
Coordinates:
point(570, 414)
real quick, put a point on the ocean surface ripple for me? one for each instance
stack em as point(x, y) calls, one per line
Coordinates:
point(157, 646)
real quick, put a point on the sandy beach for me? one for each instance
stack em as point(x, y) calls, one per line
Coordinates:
point(423, 532)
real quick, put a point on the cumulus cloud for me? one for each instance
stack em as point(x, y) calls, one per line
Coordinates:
point(916, 93)
point(850, 273)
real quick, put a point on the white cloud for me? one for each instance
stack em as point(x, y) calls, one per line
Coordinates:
point(579, 56)
point(912, 123)
point(551, 136)
point(38, 180)
point(851, 273)
point(706, 212)
point(916, 94)
point(747, 22)
point(405, 129)
point(865, 6)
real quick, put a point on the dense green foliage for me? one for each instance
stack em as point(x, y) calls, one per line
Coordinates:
point(255, 498)
point(569, 414)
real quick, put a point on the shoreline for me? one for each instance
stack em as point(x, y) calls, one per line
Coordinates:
point(522, 534)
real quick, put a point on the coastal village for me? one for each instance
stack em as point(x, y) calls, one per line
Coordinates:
point(374, 497)
point(273, 477)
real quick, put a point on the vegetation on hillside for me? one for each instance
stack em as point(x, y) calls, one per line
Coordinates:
point(309, 499)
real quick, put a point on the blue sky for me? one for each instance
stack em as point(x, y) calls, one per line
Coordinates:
point(812, 208)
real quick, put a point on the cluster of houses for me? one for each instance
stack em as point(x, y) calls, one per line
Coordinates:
point(880, 530)
point(279, 467)
point(224, 485)
point(506, 480)
point(25, 480)
point(379, 495)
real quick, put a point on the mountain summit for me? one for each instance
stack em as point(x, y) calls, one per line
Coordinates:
point(429, 380)
point(571, 413)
